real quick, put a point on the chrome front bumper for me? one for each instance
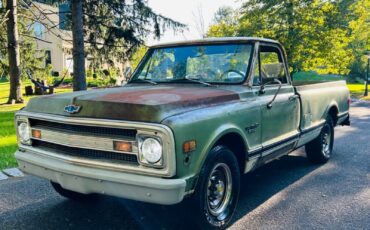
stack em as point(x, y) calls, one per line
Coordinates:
point(87, 180)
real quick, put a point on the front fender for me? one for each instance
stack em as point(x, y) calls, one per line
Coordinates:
point(206, 126)
point(215, 136)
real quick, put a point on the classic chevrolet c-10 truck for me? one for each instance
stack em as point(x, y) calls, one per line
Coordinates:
point(192, 119)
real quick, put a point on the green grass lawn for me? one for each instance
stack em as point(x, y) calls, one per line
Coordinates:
point(313, 76)
point(357, 90)
point(8, 143)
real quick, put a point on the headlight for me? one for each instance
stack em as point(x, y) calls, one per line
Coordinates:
point(23, 132)
point(151, 150)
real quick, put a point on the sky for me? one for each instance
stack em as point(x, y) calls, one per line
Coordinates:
point(187, 12)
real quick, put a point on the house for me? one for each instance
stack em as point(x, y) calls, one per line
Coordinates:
point(56, 42)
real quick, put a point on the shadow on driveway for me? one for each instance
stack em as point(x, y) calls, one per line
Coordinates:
point(115, 213)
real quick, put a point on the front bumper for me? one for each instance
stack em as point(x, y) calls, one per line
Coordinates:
point(87, 180)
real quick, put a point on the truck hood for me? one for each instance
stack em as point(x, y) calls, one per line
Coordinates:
point(133, 103)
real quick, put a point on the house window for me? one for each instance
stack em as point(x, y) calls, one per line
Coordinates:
point(65, 21)
point(47, 57)
point(39, 29)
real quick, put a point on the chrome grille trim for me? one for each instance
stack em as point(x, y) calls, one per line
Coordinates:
point(84, 129)
point(79, 141)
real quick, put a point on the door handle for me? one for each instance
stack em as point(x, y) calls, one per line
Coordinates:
point(293, 97)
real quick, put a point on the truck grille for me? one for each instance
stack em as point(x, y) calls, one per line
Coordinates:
point(87, 153)
point(84, 141)
point(82, 129)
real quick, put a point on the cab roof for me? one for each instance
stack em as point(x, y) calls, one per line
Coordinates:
point(214, 41)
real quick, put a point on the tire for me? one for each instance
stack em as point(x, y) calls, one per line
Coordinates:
point(75, 196)
point(217, 190)
point(320, 149)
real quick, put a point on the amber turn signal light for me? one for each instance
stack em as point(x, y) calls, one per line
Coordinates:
point(122, 146)
point(189, 146)
point(36, 133)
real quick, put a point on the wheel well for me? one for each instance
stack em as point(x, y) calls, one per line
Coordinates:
point(333, 112)
point(236, 143)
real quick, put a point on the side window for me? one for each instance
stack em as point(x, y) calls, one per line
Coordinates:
point(272, 65)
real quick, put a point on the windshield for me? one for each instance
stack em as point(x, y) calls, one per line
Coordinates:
point(226, 63)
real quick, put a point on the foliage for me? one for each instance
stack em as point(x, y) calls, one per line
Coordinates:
point(225, 15)
point(31, 58)
point(357, 90)
point(114, 29)
point(319, 35)
point(94, 78)
point(137, 56)
point(225, 23)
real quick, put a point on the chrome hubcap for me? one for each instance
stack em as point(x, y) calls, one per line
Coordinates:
point(219, 191)
point(326, 141)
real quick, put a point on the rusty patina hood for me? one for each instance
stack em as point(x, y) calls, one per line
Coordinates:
point(133, 103)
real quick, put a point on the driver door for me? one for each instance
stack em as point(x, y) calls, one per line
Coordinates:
point(280, 122)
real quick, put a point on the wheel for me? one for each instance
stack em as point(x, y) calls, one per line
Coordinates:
point(217, 190)
point(70, 194)
point(320, 149)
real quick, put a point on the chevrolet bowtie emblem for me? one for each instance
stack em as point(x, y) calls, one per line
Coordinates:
point(72, 109)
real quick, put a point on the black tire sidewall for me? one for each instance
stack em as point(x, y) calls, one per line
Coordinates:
point(314, 149)
point(329, 123)
point(219, 154)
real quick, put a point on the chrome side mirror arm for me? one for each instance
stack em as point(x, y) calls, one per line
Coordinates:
point(269, 105)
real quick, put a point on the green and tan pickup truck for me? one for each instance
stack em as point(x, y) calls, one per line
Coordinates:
point(192, 119)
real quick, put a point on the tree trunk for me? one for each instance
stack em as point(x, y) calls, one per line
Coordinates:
point(79, 79)
point(15, 95)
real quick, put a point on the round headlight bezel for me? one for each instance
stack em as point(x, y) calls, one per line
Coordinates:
point(147, 158)
point(24, 133)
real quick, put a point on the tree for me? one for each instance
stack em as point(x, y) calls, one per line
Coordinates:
point(24, 54)
point(79, 78)
point(111, 29)
point(199, 23)
point(225, 23)
point(137, 56)
point(317, 34)
point(15, 94)
point(225, 15)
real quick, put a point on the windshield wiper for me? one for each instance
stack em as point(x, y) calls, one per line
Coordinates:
point(146, 80)
point(197, 80)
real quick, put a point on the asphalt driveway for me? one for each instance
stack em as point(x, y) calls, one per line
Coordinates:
point(289, 193)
